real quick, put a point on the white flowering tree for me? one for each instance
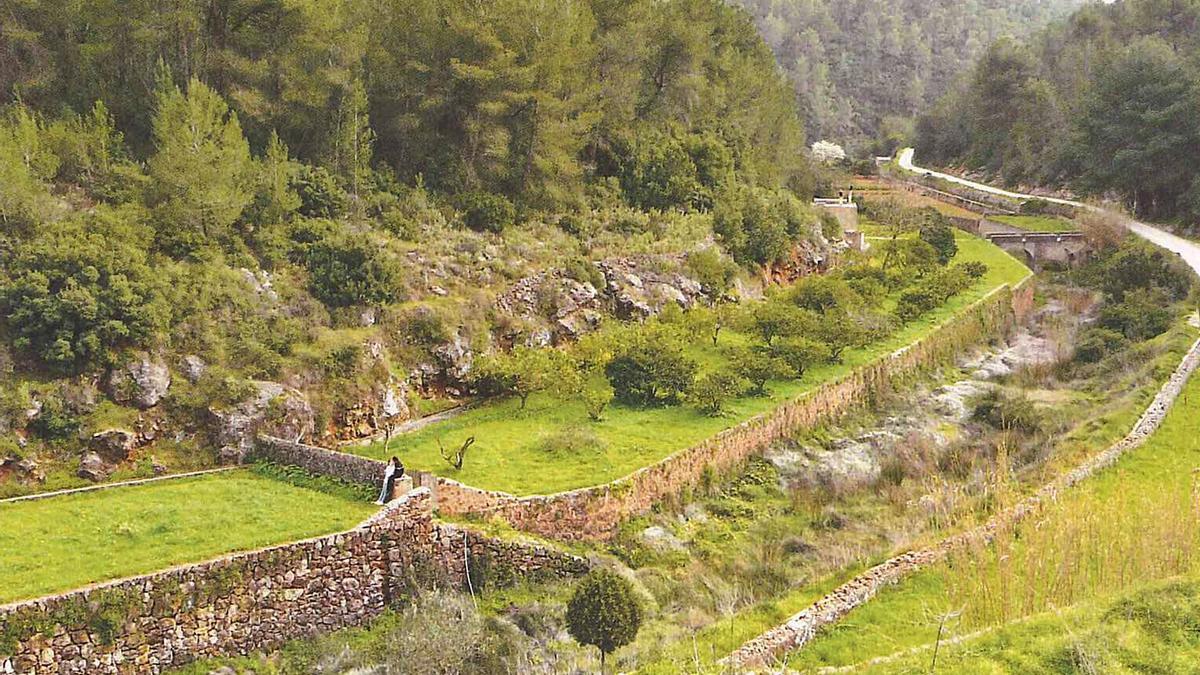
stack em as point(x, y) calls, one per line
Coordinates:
point(828, 153)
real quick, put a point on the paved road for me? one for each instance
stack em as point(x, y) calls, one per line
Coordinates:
point(1188, 250)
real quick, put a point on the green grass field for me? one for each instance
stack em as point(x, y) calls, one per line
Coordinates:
point(1038, 223)
point(1151, 630)
point(66, 542)
point(1125, 527)
point(509, 455)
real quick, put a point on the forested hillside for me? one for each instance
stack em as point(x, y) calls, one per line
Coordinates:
point(863, 68)
point(1105, 103)
point(215, 211)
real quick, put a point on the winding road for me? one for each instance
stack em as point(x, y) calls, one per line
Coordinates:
point(1188, 250)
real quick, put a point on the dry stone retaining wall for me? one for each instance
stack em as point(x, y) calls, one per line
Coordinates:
point(595, 512)
point(257, 600)
point(800, 629)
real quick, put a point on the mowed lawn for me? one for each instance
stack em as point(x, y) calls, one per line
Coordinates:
point(66, 542)
point(510, 453)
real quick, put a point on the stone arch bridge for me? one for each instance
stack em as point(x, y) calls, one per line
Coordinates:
point(1037, 249)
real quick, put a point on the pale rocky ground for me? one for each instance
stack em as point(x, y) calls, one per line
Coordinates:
point(934, 416)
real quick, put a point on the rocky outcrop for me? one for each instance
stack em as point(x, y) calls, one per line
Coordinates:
point(113, 445)
point(559, 306)
point(93, 468)
point(141, 382)
point(272, 408)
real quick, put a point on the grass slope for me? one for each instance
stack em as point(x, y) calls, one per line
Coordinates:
point(509, 454)
point(65, 542)
point(1153, 630)
point(1100, 538)
point(1038, 223)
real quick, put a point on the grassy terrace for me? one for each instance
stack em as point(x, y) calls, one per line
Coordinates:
point(508, 454)
point(66, 542)
point(1128, 526)
point(1038, 223)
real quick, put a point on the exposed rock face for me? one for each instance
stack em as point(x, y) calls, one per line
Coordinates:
point(112, 445)
point(387, 402)
point(92, 467)
point(142, 382)
point(25, 469)
point(193, 368)
point(633, 288)
point(456, 358)
point(272, 409)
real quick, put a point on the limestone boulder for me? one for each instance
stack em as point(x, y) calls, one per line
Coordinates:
point(271, 408)
point(93, 468)
point(113, 445)
point(142, 382)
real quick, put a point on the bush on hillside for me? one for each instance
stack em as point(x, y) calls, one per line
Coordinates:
point(345, 271)
point(485, 212)
point(82, 289)
point(650, 372)
point(1096, 343)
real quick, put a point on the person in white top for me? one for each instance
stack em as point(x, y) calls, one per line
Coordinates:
point(393, 472)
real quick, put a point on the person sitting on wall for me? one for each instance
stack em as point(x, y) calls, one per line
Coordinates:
point(392, 473)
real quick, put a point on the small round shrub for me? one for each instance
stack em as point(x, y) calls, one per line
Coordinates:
point(604, 612)
point(486, 212)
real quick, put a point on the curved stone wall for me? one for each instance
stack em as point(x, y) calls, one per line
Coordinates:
point(801, 628)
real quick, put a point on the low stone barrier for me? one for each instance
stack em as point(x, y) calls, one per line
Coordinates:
point(595, 512)
point(255, 601)
point(801, 628)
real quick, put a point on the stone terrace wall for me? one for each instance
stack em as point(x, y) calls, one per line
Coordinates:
point(257, 600)
point(340, 465)
point(594, 513)
point(801, 628)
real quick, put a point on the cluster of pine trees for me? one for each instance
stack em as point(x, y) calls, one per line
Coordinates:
point(150, 149)
point(863, 68)
point(1106, 102)
point(519, 97)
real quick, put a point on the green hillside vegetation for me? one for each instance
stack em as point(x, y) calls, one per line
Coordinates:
point(1132, 524)
point(61, 543)
point(550, 444)
point(325, 197)
point(862, 69)
point(1102, 102)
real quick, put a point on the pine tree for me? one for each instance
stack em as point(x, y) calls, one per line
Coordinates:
point(199, 169)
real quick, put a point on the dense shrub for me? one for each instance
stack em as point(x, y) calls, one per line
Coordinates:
point(572, 441)
point(711, 270)
point(1143, 313)
point(345, 271)
point(650, 371)
point(1006, 411)
point(320, 195)
point(82, 289)
point(1096, 343)
point(484, 212)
